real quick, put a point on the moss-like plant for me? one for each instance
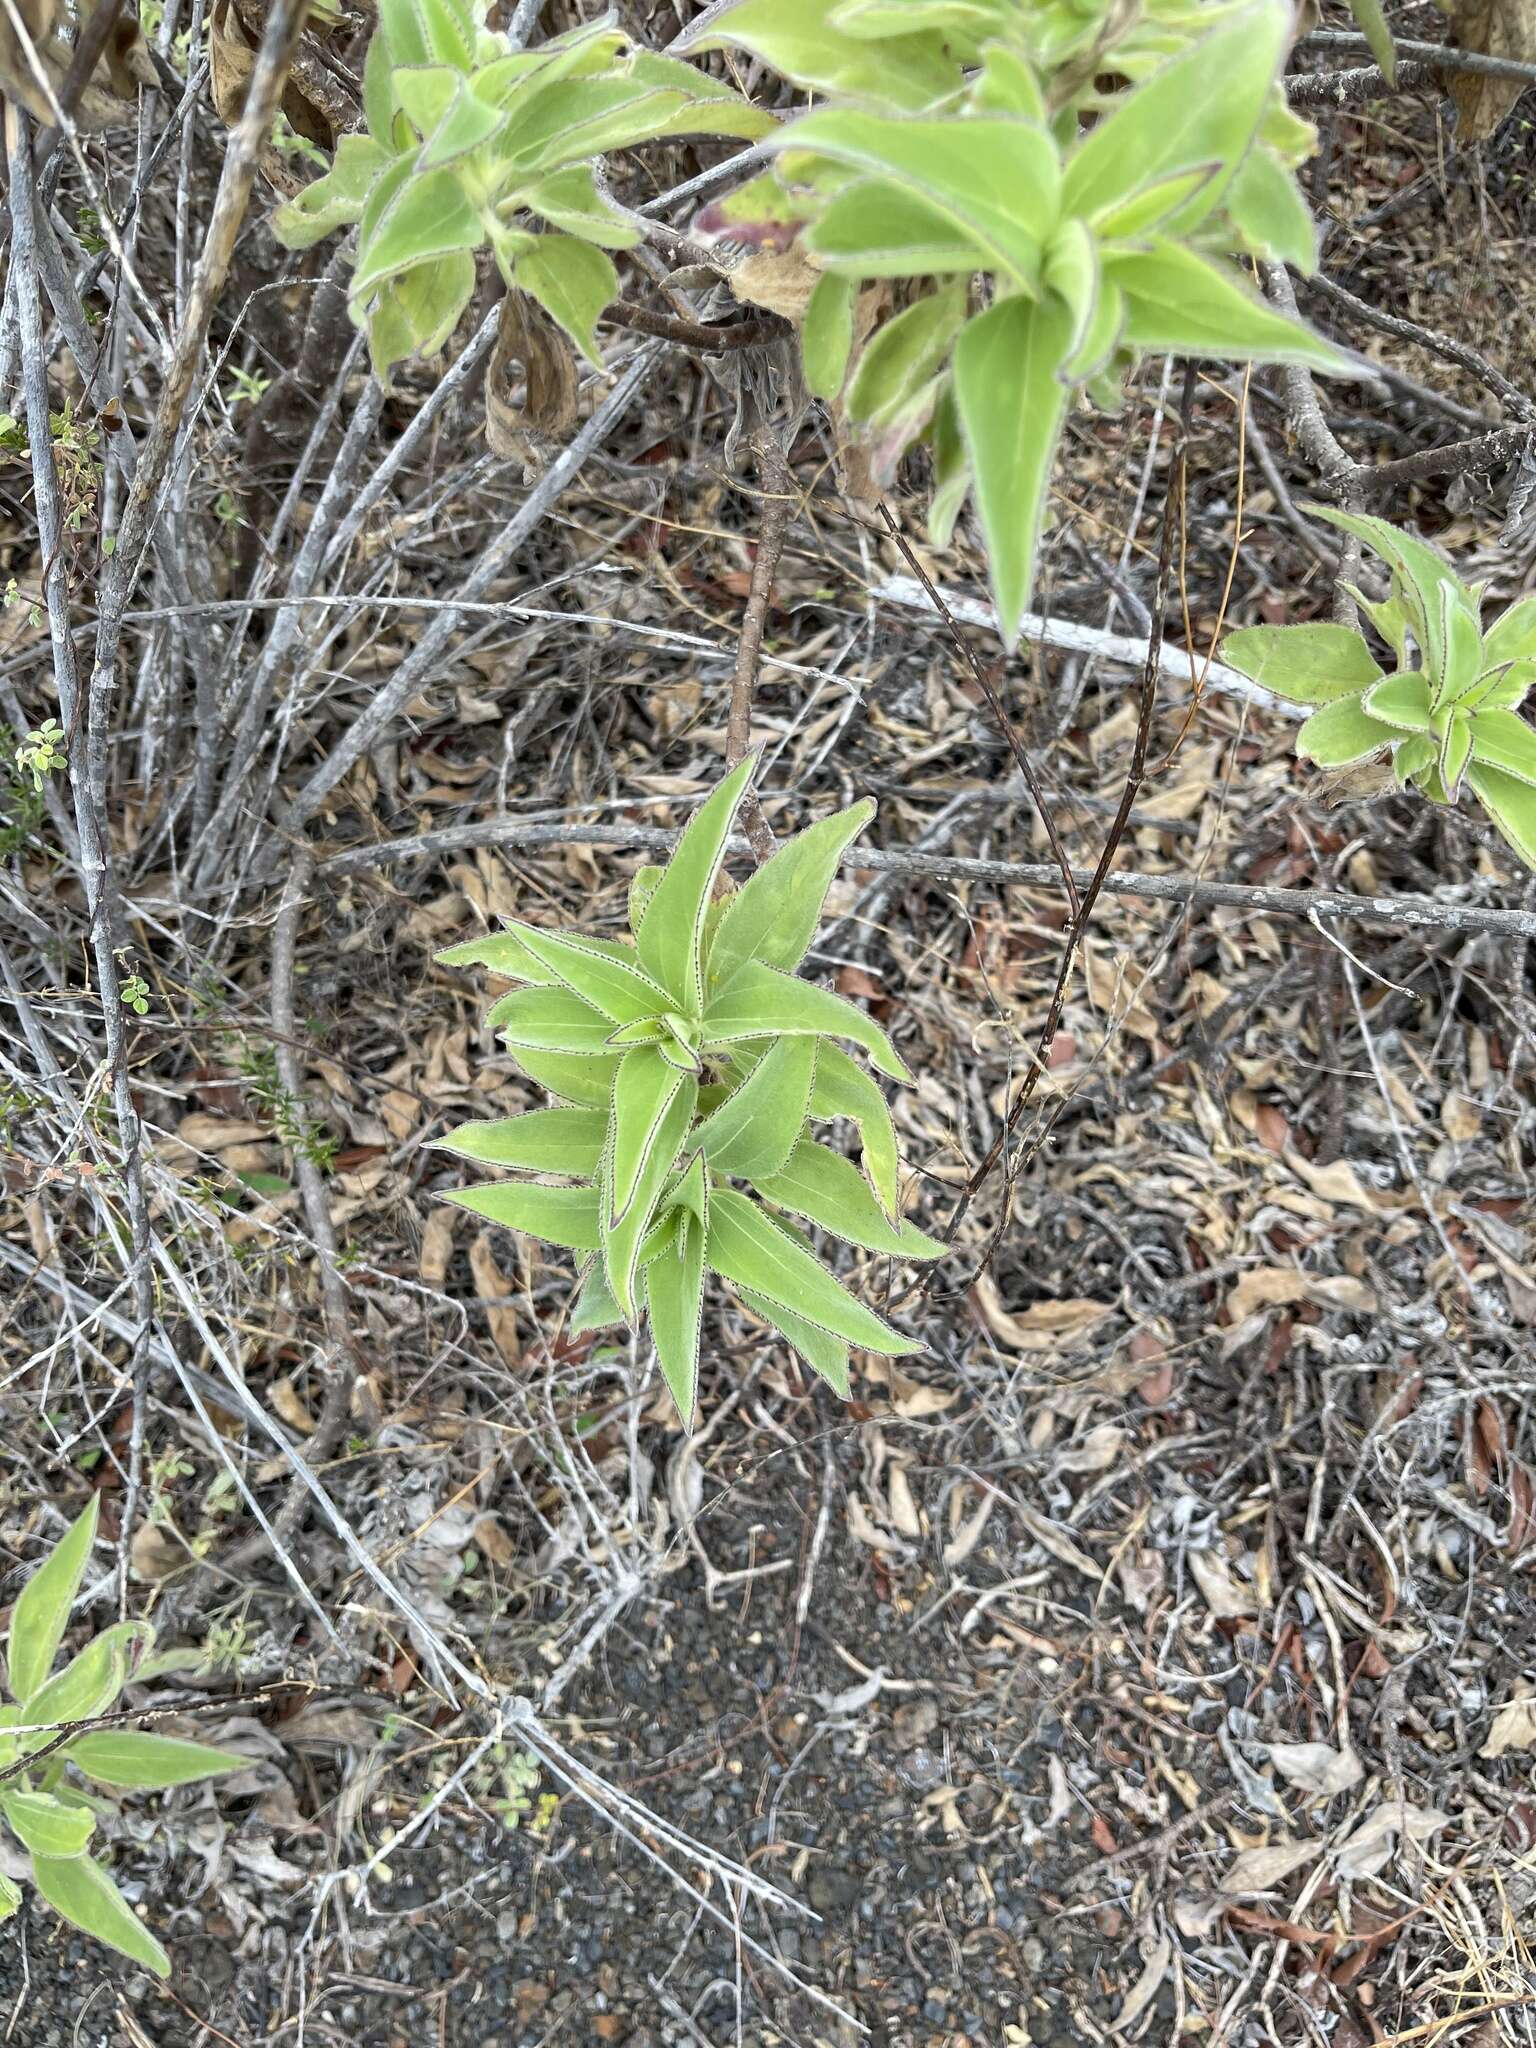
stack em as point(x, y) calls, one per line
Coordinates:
point(687, 1066)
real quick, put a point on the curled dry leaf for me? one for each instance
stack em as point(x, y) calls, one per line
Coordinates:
point(779, 280)
point(492, 1285)
point(312, 103)
point(527, 340)
point(1095, 1452)
point(1223, 1592)
point(1514, 1727)
point(1260, 1870)
point(1146, 1987)
point(1044, 1325)
point(1494, 28)
point(1316, 1767)
point(111, 94)
point(1376, 1841)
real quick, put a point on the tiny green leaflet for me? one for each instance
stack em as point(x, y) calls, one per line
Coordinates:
point(695, 1157)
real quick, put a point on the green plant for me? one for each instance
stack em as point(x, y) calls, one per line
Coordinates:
point(682, 1062)
point(51, 1815)
point(469, 143)
point(1053, 190)
point(42, 753)
point(1452, 718)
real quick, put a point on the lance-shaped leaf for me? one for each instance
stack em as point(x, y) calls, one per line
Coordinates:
point(671, 930)
point(1461, 643)
point(876, 228)
point(430, 216)
point(1455, 752)
point(1503, 740)
point(1312, 664)
point(825, 1354)
point(1415, 758)
point(572, 1077)
point(565, 1216)
point(572, 201)
point(904, 356)
point(774, 916)
point(1402, 701)
point(1512, 636)
point(1423, 576)
point(642, 887)
point(826, 335)
point(674, 1299)
point(762, 1003)
point(1343, 732)
point(10, 1898)
point(550, 1020)
point(998, 181)
point(503, 953)
point(799, 41)
point(1192, 305)
point(751, 1251)
point(1012, 403)
point(756, 1128)
point(843, 1089)
point(1265, 205)
point(335, 201)
point(89, 1683)
point(573, 282)
point(41, 1613)
point(1178, 121)
point(568, 1141)
point(607, 977)
point(46, 1826)
point(624, 1240)
point(594, 1307)
point(84, 1895)
point(825, 1188)
point(643, 1091)
point(1510, 801)
point(1372, 18)
point(148, 1763)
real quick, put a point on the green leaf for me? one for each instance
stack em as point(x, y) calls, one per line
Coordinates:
point(503, 953)
point(674, 1299)
point(568, 1141)
point(595, 1307)
point(1422, 577)
point(1416, 757)
point(335, 200)
point(1461, 642)
point(755, 1129)
point(827, 334)
point(1312, 664)
point(571, 201)
point(825, 1354)
point(1072, 272)
point(430, 216)
point(607, 978)
point(403, 32)
point(573, 282)
point(669, 938)
point(825, 1188)
point(1503, 740)
point(10, 1898)
point(564, 1216)
point(796, 38)
point(751, 1251)
point(1153, 207)
point(89, 1683)
point(643, 1091)
point(418, 310)
point(1200, 108)
point(760, 1002)
point(843, 1089)
point(951, 468)
point(148, 1763)
point(623, 1241)
point(998, 181)
point(904, 355)
point(875, 228)
point(83, 1894)
point(572, 1077)
point(1012, 404)
point(642, 887)
point(1190, 305)
point(1266, 206)
point(1510, 802)
point(1342, 732)
point(46, 1826)
point(549, 1020)
point(1401, 701)
point(1008, 85)
point(1512, 636)
point(1455, 752)
point(773, 917)
point(1373, 26)
point(41, 1613)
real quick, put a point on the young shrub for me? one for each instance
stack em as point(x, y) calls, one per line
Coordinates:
point(687, 1068)
point(1451, 718)
point(1043, 229)
point(51, 1816)
point(471, 143)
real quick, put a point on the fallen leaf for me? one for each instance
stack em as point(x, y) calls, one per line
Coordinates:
point(1044, 1325)
point(909, 1397)
point(492, 1285)
point(290, 1404)
point(1095, 1452)
point(437, 1243)
point(531, 350)
point(1227, 1598)
point(1316, 1767)
point(1493, 28)
point(213, 1133)
point(1146, 1987)
point(1260, 1870)
point(1058, 1543)
point(1376, 1841)
point(781, 280)
point(1514, 1726)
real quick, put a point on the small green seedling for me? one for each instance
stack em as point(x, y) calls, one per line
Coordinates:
point(48, 1812)
point(687, 1068)
point(1450, 719)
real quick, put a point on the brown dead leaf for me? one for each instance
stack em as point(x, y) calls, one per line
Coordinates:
point(1223, 1592)
point(437, 1243)
point(491, 1284)
point(1146, 1987)
point(1044, 1325)
point(909, 1397)
point(1375, 1843)
point(1514, 1726)
point(1316, 1767)
point(532, 350)
point(781, 280)
point(154, 1553)
point(1494, 28)
point(493, 1542)
point(1260, 1870)
point(290, 1405)
point(214, 1133)
point(111, 96)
